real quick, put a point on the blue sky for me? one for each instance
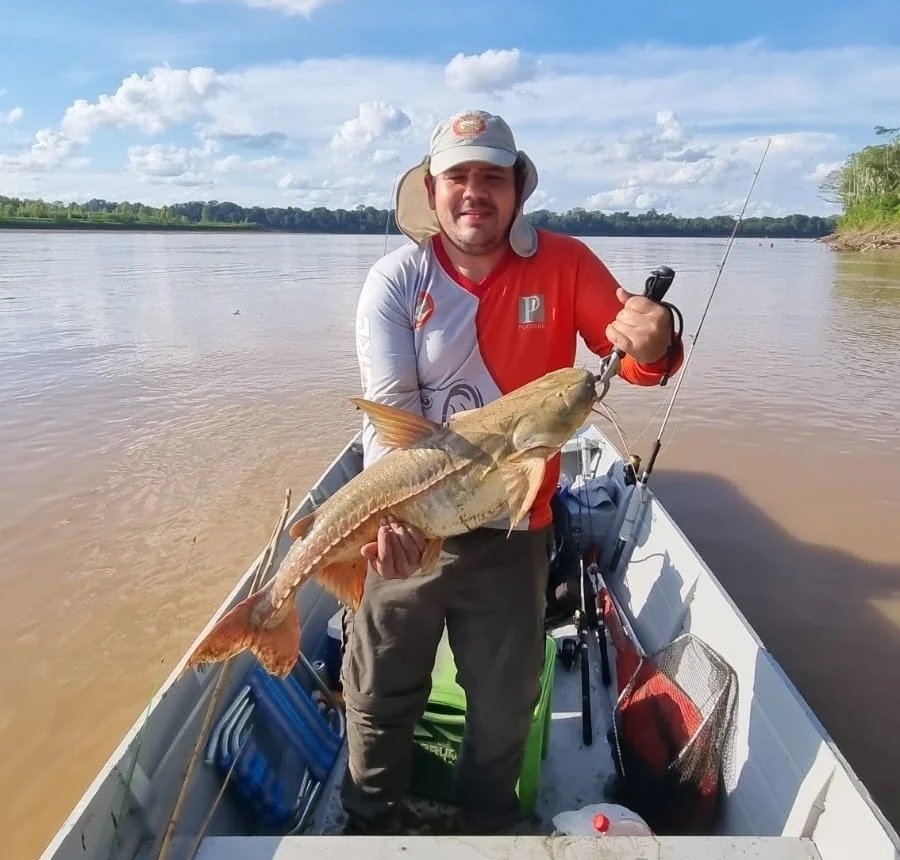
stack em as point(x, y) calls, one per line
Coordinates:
point(321, 102)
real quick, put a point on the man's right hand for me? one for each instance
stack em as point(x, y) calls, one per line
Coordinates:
point(398, 551)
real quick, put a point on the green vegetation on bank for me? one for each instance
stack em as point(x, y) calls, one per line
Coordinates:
point(213, 215)
point(868, 189)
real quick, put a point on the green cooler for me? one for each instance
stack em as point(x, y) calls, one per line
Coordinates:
point(438, 734)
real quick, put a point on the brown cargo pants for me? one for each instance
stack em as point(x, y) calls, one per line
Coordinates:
point(492, 599)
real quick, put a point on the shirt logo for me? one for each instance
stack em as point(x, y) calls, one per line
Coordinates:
point(424, 309)
point(531, 311)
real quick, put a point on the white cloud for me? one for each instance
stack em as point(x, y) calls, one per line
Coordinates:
point(50, 148)
point(237, 164)
point(11, 116)
point(171, 164)
point(708, 170)
point(823, 170)
point(794, 143)
point(151, 103)
point(263, 140)
point(685, 125)
point(385, 156)
point(286, 7)
point(374, 120)
point(343, 192)
point(663, 141)
point(540, 200)
point(692, 153)
point(755, 208)
point(291, 182)
point(486, 72)
point(289, 7)
point(627, 197)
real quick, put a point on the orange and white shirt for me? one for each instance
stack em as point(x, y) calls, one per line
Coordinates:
point(433, 342)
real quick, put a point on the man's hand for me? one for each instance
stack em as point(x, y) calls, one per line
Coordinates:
point(398, 551)
point(642, 329)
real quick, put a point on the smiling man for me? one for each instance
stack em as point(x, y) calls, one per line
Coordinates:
point(479, 304)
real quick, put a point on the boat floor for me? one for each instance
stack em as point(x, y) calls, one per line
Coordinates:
point(572, 774)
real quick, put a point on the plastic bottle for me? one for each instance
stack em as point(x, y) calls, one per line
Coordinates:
point(601, 819)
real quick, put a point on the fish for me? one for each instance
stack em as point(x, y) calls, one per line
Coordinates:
point(482, 465)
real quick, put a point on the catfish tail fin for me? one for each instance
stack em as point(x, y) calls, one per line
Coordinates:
point(275, 641)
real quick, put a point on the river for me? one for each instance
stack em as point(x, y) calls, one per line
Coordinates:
point(159, 392)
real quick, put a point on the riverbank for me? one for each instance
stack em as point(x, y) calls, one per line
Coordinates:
point(16, 223)
point(865, 238)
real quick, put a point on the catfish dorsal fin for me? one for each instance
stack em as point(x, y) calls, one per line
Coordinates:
point(396, 428)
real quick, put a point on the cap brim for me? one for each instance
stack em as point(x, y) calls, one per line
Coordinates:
point(461, 154)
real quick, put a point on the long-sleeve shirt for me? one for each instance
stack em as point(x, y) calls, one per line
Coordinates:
point(433, 342)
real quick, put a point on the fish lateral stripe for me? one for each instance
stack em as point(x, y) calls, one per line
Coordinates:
point(326, 534)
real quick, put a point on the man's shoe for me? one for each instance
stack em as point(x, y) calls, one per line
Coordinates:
point(383, 824)
point(401, 820)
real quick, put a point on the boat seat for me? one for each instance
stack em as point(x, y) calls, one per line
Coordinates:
point(278, 746)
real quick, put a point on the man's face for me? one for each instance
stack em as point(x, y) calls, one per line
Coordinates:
point(475, 203)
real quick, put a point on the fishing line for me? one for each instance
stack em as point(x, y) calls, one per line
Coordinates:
point(390, 210)
point(637, 496)
point(696, 336)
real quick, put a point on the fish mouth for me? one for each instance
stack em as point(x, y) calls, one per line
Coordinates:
point(595, 379)
point(585, 392)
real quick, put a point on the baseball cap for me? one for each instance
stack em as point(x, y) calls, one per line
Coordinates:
point(472, 135)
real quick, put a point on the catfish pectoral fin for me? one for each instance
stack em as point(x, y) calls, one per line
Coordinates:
point(302, 526)
point(346, 580)
point(522, 480)
point(275, 646)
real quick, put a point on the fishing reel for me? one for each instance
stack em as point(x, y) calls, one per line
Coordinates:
point(630, 469)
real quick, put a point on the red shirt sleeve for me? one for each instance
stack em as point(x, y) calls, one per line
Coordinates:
point(596, 307)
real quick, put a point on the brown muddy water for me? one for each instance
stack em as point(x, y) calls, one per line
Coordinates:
point(158, 393)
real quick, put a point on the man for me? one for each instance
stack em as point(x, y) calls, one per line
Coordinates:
point(478, 305)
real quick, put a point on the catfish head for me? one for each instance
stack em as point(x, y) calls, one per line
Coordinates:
point(535, 419)
point(525, 428)
point(545, 413)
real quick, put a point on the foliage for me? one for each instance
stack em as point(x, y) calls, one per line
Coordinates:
point(213, 214)
point(868, 184)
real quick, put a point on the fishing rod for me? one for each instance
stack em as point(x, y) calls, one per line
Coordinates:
point(589, 622)
point(390, 210)
point(636, 499)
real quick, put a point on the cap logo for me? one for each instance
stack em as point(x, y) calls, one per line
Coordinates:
point(469, 125)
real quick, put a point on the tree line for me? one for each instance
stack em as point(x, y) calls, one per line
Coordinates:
point(867, 185)
point(213, 214)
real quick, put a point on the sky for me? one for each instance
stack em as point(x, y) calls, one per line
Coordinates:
point(623, 107)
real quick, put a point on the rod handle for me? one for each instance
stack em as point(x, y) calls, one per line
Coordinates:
point(656, 286)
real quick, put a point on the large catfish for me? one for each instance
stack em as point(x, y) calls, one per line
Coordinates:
point(484, 464)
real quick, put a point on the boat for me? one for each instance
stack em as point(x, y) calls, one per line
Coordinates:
point(171, 789)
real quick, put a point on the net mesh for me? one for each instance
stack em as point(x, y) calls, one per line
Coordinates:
point(673, 727)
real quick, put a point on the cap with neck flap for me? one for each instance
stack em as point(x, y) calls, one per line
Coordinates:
point(473, 135)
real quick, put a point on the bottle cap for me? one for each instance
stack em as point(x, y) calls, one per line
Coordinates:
point(600, 822)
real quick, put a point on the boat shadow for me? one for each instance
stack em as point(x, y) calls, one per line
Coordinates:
point(816, 610)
